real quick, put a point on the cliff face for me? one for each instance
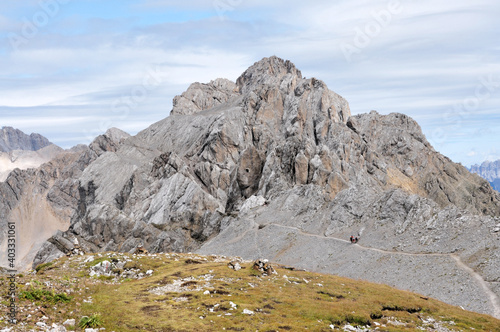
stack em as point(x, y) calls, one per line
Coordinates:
point(275, 164)
point(42, 201)
point(489, 171)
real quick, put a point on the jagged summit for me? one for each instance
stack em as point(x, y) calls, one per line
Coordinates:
point(14, 139)
point(270, 78)
point(268, 73)
point(272, 71)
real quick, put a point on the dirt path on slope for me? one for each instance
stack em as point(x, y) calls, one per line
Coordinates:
point(493, 298)
point(495, 302)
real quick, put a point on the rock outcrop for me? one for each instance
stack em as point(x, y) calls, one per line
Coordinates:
point(489, 171)
point(200, 97)
point(275, 166)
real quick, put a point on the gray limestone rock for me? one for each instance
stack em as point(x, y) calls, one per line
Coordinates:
point(323, 174)
point(110, 141)
point(200, 97)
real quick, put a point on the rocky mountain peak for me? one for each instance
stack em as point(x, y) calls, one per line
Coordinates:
point(14, 139)
point(272, 71)
point(266, 89)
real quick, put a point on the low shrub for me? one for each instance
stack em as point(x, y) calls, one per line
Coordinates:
point(91, 322)
point(45, 296)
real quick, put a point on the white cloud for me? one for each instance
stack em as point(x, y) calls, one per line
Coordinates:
point(42, 122)
point(429, 57)
point(102, 69)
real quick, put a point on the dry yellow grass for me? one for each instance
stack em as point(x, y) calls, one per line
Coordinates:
point(289, 300)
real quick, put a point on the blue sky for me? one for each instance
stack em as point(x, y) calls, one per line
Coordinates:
point(70, 69)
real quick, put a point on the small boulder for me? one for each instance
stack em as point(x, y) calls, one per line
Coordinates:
point(248, 312)
point(70, 322)
point(349, 328)
point(57, 328)
point(88, 260)
point(252, 202)
point(140, 250)
point(234, 265)
point(103, 268)
point(263, 266)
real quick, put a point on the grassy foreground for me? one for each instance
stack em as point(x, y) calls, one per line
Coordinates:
point(188, 292)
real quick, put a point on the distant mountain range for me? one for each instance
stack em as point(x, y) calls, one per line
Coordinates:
point(489, 170)
point(14, 139)
point(18, 150)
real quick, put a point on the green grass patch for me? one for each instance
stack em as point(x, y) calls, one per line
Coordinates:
point(45, 296)
point(106, 278)
point(92, 321)
point(42, 267)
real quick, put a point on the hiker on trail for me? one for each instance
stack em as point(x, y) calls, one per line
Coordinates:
point(356, 240)
point(352, 239)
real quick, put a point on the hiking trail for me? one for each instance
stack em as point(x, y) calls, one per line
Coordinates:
point(493, 298)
